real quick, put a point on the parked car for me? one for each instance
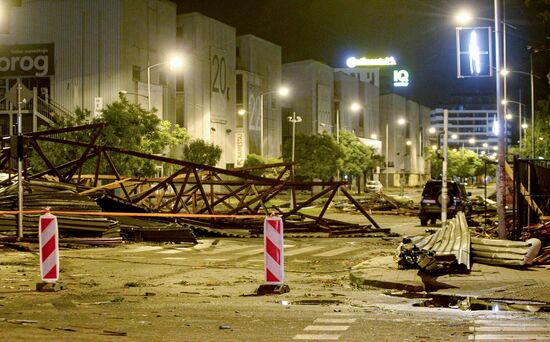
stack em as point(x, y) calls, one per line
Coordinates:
point(373, 186)
point(430, 204)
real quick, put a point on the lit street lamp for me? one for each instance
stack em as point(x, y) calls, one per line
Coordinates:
point(400, 122)
point(501, 175)
point(175, 63)
point(294, 120)
point(355, 107)
point(520, 124)
point(283, 92)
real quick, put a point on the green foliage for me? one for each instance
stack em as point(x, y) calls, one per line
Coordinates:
point(542, 133)
point(316, 156)
point(202, 152)
point(357, 158)
point(461, 164)
point(128, 126)
point(256, 160)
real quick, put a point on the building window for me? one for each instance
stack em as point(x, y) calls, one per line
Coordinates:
point(239, 92)
point(162, 78)
point(136, 73)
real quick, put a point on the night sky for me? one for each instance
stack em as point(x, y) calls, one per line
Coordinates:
point(419, 33)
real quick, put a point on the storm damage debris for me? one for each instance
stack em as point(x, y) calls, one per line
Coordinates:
point(446, 249)
point(191, 189)
point(505, 252)
point(82, 229)
point(454, 240)
point(380, 202)
point(39, 195)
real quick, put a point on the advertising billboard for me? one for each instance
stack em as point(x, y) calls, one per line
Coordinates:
point(27, 60)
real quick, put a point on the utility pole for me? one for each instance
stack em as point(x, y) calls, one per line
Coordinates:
point(501, 173)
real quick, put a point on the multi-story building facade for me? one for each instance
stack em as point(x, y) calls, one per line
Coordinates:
point(208, 88)
point(471, 129)
point(259, 73)
point(81, 54)
point(405, 124)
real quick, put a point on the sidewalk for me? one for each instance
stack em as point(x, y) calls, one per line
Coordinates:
point(484, 281)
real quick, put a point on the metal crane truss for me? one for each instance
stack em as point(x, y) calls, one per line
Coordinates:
point(211, 198)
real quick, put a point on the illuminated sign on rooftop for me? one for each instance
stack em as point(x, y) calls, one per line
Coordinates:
point(352, 62)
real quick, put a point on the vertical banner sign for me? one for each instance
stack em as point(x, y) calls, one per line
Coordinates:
point(273, 250)
point(49, 248)
point(473, 52)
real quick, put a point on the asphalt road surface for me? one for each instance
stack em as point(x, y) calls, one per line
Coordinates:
point(159, 292)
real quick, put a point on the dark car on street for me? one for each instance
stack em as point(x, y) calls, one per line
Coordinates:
point(430, 204)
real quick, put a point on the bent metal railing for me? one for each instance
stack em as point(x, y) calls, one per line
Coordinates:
point(192, 188)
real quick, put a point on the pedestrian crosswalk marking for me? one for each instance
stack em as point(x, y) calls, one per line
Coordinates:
point(516, 337)
point(530, 323)
point(313, 337)
point(351, 314)
point(335, 252)
point(252, 252)
point(302, 250)
point(335, 320)
point(139, 249)
point(506, 330)
point(326, 328)
point(228, 249)
point(169, 251)
point(511, 328)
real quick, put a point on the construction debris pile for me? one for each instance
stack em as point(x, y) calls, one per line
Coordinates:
point(56, 196)
point(455, 246)
point(378, 202)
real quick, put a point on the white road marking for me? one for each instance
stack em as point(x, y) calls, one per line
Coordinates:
point(174, 258)
point(509, 337)
point(326, 328)
point(169, 251)
point(313, 337)
point(523, 323)
point(302, 250)
point(335, 320)
point(337, 251)
point(142, 249)
point(530, 330)
point(352, 314)
point(511, 328)
point(252, 252)
point(228, 249)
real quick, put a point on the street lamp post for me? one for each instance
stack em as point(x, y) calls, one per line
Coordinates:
point(501, 175)
point(282, 91)
point(355, 107)
point(400, 122)
point(175, 63)
point(294, 120)
point(520, 123)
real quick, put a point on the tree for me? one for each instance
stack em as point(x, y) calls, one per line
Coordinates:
point(542, 133)
point(257, 160)
point(202, 152)
point(316, 156)
point(357, 158)
point(128, 126)
point(461, 164)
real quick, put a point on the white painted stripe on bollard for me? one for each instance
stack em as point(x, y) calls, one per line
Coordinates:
point(273, 250)
point(48, 238)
